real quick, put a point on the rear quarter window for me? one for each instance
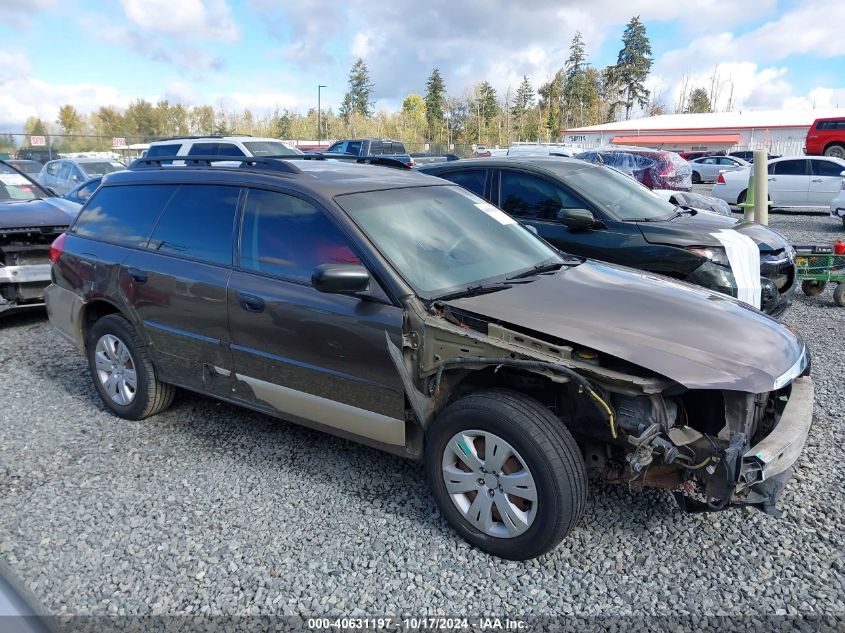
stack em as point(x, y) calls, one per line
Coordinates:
point(124, 214)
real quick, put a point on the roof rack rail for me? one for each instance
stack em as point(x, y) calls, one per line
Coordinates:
point(271, 163)
point(364, 160)
point(191, 138)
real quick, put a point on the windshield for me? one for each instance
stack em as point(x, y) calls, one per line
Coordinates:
point(14, 186)
point(269, 148)
point(623, 197)
point(101, 169)
point(444, 238)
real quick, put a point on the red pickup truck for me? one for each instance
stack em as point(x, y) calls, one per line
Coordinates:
point(826, 137)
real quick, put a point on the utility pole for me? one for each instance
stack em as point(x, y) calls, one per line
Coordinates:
point(319, 129)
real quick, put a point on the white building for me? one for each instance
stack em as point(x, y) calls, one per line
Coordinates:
point(779, 131)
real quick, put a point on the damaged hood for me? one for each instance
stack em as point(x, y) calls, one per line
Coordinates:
point(699, 229)
point(34, 213)
point(698, 338)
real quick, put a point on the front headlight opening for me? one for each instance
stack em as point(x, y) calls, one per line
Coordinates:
point(715, 254)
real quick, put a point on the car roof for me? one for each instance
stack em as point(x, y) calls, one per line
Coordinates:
point(235, 137)
point(321, 178)
point(556, 165)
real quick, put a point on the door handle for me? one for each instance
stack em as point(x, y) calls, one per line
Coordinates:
point(138, 275)
point(772, 179)
point(817, 180)
point(250, 303)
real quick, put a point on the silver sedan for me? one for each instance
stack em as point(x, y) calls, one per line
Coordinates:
point(707, 169)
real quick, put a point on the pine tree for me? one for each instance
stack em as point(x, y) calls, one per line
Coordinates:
point(435, 93)
point(357, 98)
point(522, 103)
point(488, 106)
point(633, 66)
point(579, 87)
point(699, 101)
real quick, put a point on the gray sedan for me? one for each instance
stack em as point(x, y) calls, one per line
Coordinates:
point(63, 175)
point(707, 169)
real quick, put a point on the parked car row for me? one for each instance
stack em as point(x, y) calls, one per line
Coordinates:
point(398, 309)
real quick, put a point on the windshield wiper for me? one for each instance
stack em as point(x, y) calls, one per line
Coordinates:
point(543, 267)
point(474, 291)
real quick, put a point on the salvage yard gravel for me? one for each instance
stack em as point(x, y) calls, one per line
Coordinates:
point(208, 509)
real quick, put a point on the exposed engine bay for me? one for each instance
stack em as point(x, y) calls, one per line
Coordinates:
point(25, 265)
point(712, 448)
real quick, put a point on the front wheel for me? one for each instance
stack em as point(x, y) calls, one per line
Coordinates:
point(839, 295)
point(696, 178)
point(506, 473)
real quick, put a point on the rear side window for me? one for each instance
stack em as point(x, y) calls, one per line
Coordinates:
point(203, 149)
point(827, 168)
point(198, 223)
point(123, 215)
point(377, 148)
point(228, 149)
point(286, 236)
point(398, 148)
point(472, 179)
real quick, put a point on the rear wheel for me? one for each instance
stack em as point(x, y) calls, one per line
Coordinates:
point(813, 288)
point(835, 151)
point(741, 197)
point(839, 295)
point(122, 371)
point(506, 473)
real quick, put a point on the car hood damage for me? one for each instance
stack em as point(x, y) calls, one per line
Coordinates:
point(36, 213)
point(651, 322)
point(699, 229)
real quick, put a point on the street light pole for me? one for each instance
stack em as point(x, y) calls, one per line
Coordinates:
point(319, 129)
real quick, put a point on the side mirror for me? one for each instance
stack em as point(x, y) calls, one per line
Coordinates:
point(341, 279)
point(576, 219)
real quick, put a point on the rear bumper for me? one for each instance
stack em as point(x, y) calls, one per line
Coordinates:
point(766, 467)
point(65, 310)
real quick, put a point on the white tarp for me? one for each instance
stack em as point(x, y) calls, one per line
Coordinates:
point(744, 257)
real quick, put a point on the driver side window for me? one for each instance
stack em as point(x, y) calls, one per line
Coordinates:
point(528, 196)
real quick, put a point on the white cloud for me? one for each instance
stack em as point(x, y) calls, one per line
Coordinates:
point(22, 13)
point(210, 19)
point(22, 95)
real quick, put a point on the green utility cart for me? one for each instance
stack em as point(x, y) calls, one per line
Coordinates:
point(818, 265)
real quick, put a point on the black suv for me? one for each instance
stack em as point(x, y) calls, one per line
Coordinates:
point(385, 147)
point(596, 211)
point(404, 312)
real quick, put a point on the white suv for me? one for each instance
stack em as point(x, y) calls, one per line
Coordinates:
point(220, 146)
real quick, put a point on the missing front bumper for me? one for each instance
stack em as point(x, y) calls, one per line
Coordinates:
point(767, 466)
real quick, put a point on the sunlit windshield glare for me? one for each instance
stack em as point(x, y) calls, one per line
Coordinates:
point(442, 239)
point(624, 197)
point(14, 186)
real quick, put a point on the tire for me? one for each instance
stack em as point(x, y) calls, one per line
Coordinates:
point(812, 288)
point(835, 150)
point(107, 341)
point(742, 196)
point(839, 295)
point(696, 178)
point(538, 444)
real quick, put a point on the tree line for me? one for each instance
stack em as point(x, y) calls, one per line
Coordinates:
point(576, 95)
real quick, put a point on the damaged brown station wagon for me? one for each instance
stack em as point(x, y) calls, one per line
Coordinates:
point(404, 312)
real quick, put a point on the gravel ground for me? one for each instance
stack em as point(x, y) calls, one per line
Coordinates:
point(211, 509)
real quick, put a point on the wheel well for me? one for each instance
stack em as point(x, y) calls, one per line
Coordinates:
point(833, 143)
point(95, 311)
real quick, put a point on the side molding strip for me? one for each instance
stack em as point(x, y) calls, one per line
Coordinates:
point(328, 412)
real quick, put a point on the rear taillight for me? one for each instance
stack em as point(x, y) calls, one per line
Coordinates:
point(57, 248)
point(410, 163)
point(721, 179)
